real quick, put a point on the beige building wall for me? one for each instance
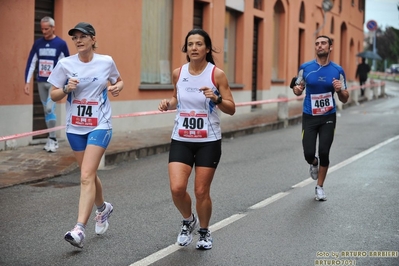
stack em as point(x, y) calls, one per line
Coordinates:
point(17, 38)
point(118, 26)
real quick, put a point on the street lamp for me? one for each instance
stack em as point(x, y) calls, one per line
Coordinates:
point(326, 5)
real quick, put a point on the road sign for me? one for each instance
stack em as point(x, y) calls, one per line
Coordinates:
point(372, 25)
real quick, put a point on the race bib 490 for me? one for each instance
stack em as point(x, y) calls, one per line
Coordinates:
point(193, 124)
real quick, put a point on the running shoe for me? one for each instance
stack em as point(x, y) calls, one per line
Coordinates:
point(47, 145)
point(102, 219)
point(205, 240)
point(52, 145)
point(75, 237)
point(320, 195)
point(185, 236)
point(314, 170)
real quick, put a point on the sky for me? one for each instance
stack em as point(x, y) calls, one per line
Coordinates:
point(384, 12)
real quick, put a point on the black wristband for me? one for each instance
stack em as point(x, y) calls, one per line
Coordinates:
point(219, 100)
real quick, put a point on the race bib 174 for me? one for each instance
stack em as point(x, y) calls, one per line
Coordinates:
point(84, 113)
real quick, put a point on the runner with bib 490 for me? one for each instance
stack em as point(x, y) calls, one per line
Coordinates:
point(200, 89)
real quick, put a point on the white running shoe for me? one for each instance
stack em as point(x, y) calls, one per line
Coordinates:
point(75, 237)
point(53, 145)
point(47, 146)
point(314, 170)
point(102, 219)
point(205, 241)
point(185, 236)
point(320, 195)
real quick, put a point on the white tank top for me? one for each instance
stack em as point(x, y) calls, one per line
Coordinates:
point(197, 119)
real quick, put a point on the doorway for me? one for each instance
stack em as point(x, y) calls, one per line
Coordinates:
point(42, 8)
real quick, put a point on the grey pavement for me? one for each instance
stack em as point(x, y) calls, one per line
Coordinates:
point(357, 225)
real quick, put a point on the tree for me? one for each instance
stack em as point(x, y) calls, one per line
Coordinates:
point(387, 44)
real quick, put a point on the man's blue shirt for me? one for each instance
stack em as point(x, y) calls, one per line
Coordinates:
point(318, 82)
point(46, 54)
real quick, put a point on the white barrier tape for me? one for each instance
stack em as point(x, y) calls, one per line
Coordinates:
point(33, 133)
point(264, 101)
point(143, 113)
point(370, 85)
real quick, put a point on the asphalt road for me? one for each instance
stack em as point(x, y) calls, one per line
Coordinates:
point(263, 207)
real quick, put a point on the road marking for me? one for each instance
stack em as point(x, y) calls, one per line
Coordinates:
point(361, 154)
point(304, 183)
point(349, 161)
point(235, 217)
point(172, 248)
point(226, 222)
point(269, 200)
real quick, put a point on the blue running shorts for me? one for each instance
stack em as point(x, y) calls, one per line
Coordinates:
point(99, 137)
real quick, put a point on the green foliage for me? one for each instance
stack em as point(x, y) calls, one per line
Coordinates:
point(387, 47)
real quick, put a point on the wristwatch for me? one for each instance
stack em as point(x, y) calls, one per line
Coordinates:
point(65, 89)
point(219, 100)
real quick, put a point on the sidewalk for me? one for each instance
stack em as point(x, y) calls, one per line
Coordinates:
point(32, 164)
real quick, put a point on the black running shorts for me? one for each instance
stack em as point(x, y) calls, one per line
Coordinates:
point(205, 154)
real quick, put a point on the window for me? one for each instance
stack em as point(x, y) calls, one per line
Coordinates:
point(279, 18)
point(156, 41)
point(198, 14)
point(258, 4)
point(302, 13)
point(361, 5)
point(230, 29)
